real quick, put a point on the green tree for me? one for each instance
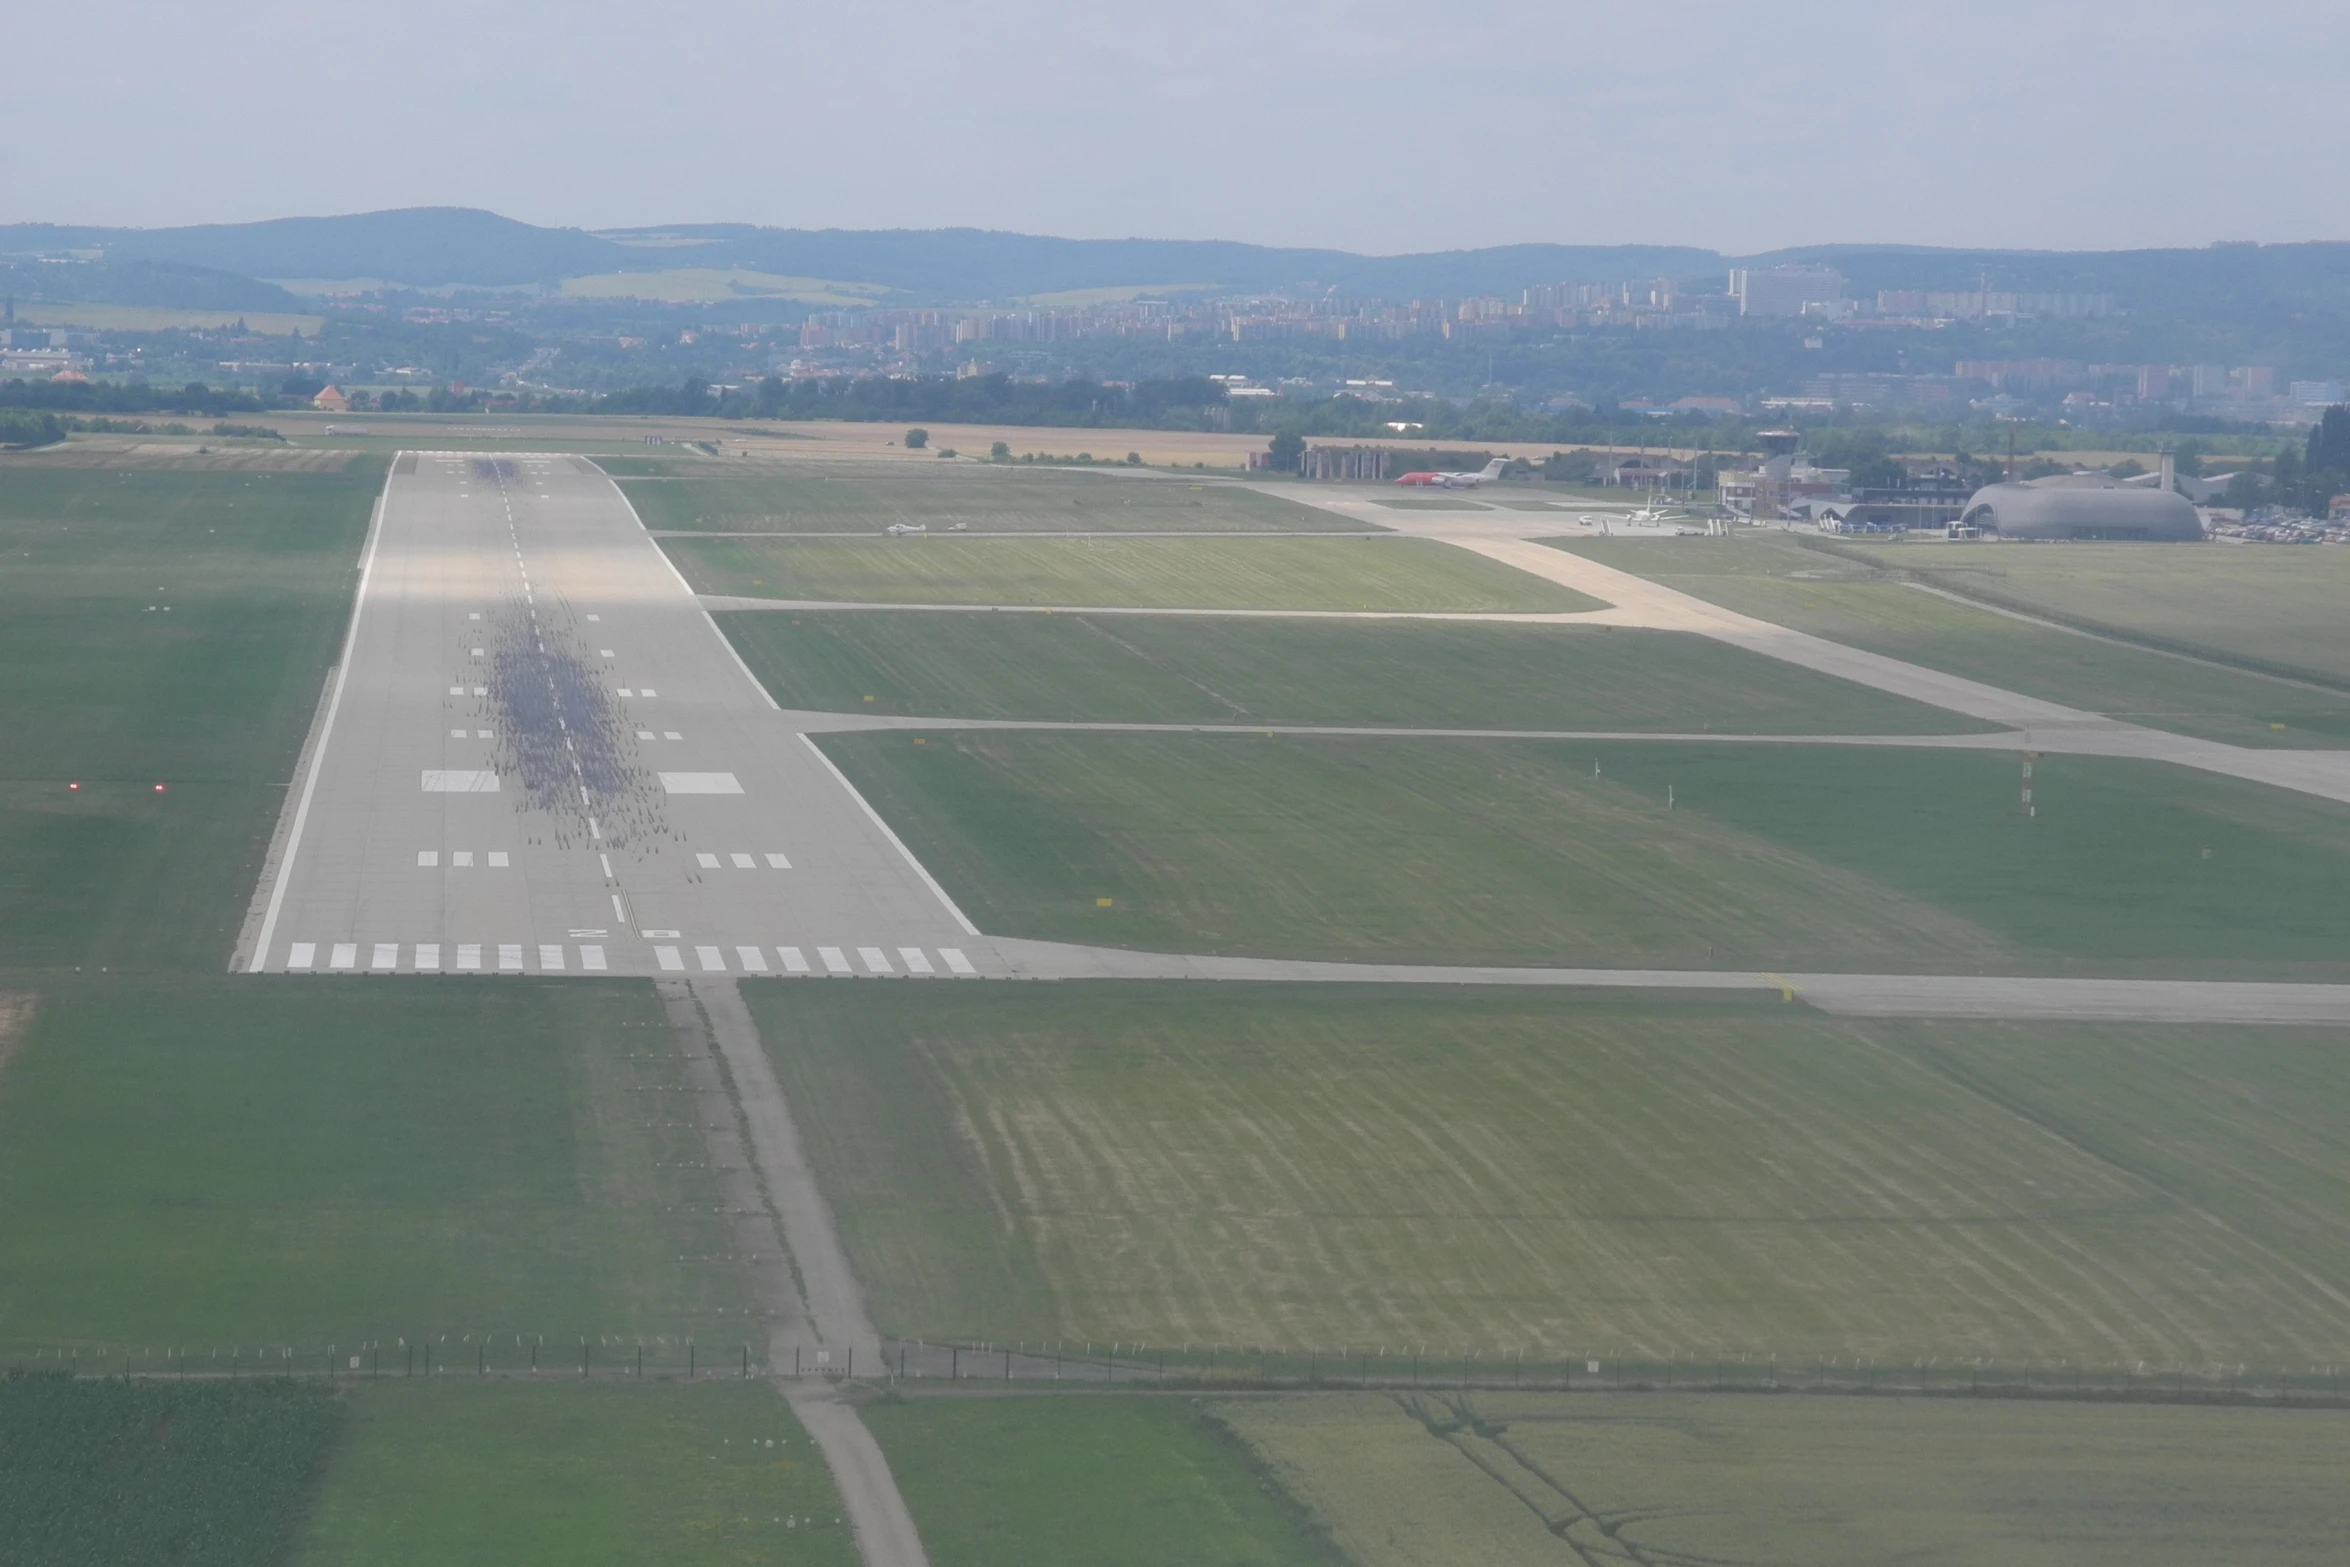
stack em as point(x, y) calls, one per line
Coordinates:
point(1286, 448)
point(916, 439)
point(1001, 451)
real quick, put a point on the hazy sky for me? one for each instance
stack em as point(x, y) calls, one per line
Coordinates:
point(1378, 126)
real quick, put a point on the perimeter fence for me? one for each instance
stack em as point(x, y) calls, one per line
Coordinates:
point(1079, 1367)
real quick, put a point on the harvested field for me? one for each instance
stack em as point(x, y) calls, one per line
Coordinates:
point(1818, 1482)
point(1846, 599)
point(1180, 669)
point(866, 498)
point(711, 1474)
point(1617, 853)
point(1144, 573)
point(1383, 1170)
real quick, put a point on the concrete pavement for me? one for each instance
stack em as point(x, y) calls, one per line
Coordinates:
point(540, 756)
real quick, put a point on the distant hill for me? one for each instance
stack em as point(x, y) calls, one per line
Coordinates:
point(973, 264)
point(425, 247)
point(431, 247)
point(167, 283)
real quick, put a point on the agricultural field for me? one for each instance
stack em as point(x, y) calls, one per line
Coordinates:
point(1616, 853)
point(1080, 1481)
point(204, 1474)
point(1827, 1482)
point(565, 1474)
point(703, 285)
point(1186, 669)
point(158, 625)
point(1388, 574)
point(1650, 1178)
point(165, 318)
point(1845, 599)
point(866, 498)
point(217, 1166)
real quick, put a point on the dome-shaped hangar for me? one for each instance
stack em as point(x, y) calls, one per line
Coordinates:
point(2031, 511)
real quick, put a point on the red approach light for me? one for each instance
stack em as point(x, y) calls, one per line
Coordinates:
point(159, 788)
point(72, 786)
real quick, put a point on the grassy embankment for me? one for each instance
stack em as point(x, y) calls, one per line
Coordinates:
point(1140, 573)
point(1569, 852)
point(1070, 1482)
point(1636, 1178)
point(866, 498)
point(203, 1166)
point(2198, 598)
point(1180, 669)
point(169, 627)
point(571, 1475)
point(1523, 1482)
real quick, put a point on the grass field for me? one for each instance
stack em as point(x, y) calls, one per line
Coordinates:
point(1182, 669)
point(571, 1475)
point(1773, 578)
point(1528, 1482)
point(1764, 856)
point(1073, 1482)
point(219, 1474)
point(2267, 607)
point(194, 1164)
point(1142, 573)
point(1572, 1173)
point(157, 626)
point(868, 497)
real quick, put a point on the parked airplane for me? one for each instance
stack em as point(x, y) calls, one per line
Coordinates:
point(1456, 481)
point(898, 530)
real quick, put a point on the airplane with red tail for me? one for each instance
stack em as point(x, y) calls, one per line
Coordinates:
point(1456, 481)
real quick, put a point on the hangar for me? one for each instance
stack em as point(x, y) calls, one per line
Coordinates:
point(2074, 511)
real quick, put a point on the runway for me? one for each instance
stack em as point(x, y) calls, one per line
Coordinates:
point(538, 755)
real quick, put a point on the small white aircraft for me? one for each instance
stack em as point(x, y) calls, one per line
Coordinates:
point(898, 530)
point(1675, 518)
point(1455, 481)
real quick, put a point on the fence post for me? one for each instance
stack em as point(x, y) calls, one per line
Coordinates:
point(689, 1360)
